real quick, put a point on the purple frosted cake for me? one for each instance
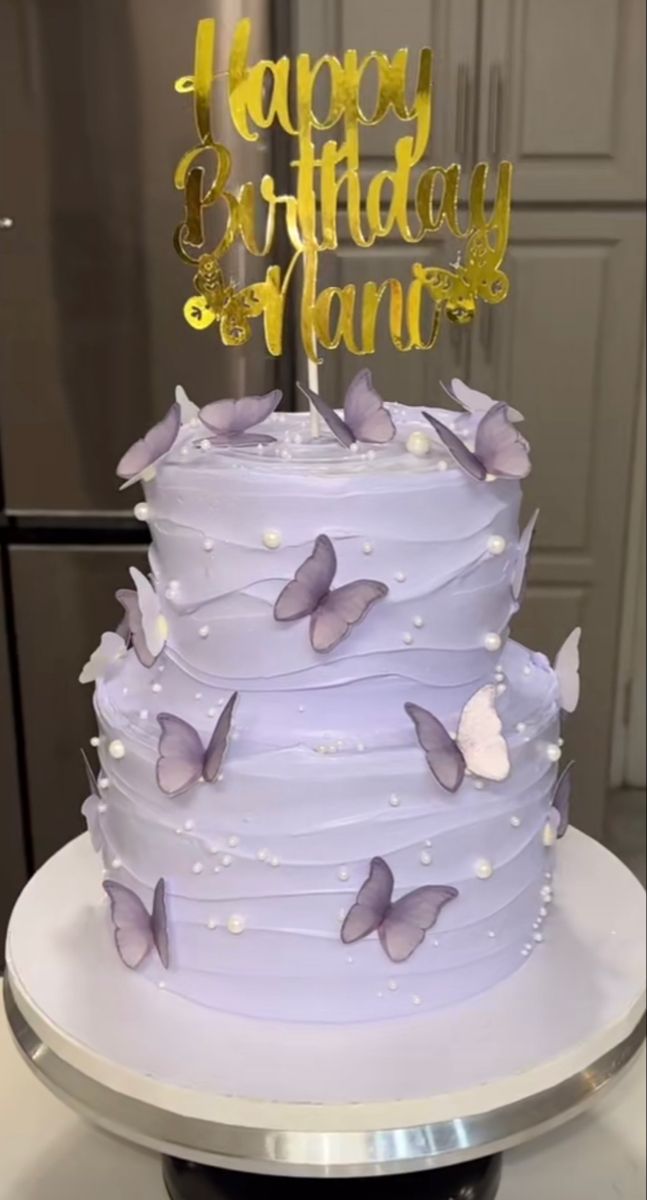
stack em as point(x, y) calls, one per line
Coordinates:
point(328, 785)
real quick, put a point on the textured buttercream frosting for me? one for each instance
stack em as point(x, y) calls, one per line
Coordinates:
point(323, 770)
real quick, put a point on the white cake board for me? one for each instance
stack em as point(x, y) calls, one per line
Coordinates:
point(329, 1100)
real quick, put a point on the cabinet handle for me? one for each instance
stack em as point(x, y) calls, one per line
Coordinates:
point(495, 106)
point(462, 111)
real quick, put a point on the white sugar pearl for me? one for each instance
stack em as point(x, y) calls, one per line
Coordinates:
point(416, 1000)
point(547, 895)
point(371, 456)
point(116, 749)
point(554, 752)
point(515, 822)
point(102, 808)
point(491, 933)
point(418, 622)
point(525, 953)
point(354, 448)
point(143, 714)
point(95, 741)
point(443, 465)
point(539, 937)
point(527, 670)
point(149, 474)
point(497, 544)
point(161, 985)
point(392, 985)
point(394, 801)
point(211, 712)
point(198, 696)
point(141, 511)
point(400, 576)
point(479, 785)
point(275, 862)
point(418, 443)
point(227, 860)
point(407, 638)
point(367, 548)
point(343, 874)
point(484, 869)
point(521, 727)
point(173, 586)
point(263, 855)
point(203, 631)
point(492, 642)
point(197, 868)
point(272, 539)
point(212, 923)
point(205, 444)
point(208, 545)
point(124, 691)
point(236, 924)
point(116, 864)
point(104, 783)
point(189, 825)
point(233, 841)
point(543, 912)
point(550, 836)
point(360, 747)
point(157, 687)
point(426, 859)
point(285, 454)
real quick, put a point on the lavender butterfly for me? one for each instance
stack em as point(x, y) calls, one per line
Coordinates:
point(333, 613)
point(567, 670)
point(479, 746)
point(500, 452)
point(401, 925)
point(182, 760)
point(474, 401)
point(141, 460)
point(560, 814)
point(518, 582)
point(145, 623)
point(366, 419)
point(136, 933)
point(89, 808)
point(229, 420)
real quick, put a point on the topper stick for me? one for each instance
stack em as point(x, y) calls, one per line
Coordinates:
point(313, 384)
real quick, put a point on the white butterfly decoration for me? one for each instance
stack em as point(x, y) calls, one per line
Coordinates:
point(111, 648)
point(479, 746)
point(567, 670)
point(188, 410)
point(474, 401)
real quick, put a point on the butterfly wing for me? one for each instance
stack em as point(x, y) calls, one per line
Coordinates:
point(341, 610)
point(467, 461)
point(132, 925)
point(130, 603)
point(159, 923)
point(371, 905)
point(500, 447)
point(562, 799)
point(364, 411)
point(410, 918)
point(567, 670)
point(188, 410)
point(231, 417)
point(523, 550)
point(90, 776)
point(89, 808)
point(111, 647)
point(149, 449)
point(474, 401)
point(219, 739)
point(337, 427)
point(311, 583)
point(153, 624)
point(443, 756)
point(480, 736)
point(180, 755)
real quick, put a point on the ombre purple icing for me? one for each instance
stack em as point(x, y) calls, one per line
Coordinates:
point(324, 771)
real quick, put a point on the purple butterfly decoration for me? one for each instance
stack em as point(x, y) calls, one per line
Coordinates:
point(561, 807)
point(518, 583)
point(229, 420)
point(89, 808)
point(137, 933)
point(401, 925)
point(144, 455)
point(366, 419)
point(182, 760)
point(144, 626)
point(479, 745)
point(473, 401)
point(500, 451)
point(333, 613)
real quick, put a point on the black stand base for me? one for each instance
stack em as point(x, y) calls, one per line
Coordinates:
point(477, 1180)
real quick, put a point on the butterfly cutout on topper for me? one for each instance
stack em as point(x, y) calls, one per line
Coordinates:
point(229, 420)
point(560, 813)
point(500, 452)
point(333, 612)
point(366, 418)
point(479, 747)
point(475, 402)
point(140, 462)
point(136, 933)
point(518, 582)
point(401, 925)
point(146, 625)
point(89, 808)
point(111, 648)
point(182, 760)
point(567, 670)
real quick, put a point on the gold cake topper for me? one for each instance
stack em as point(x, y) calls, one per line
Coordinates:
point(411, 200)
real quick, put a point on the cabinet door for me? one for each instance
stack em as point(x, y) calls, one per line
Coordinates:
point(64, 599)
point(448, 26)
point(13, 872)
point(566, 349)
point(563, 96)
point(91, 289)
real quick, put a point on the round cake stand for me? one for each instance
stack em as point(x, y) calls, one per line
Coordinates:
point(407, 1109)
